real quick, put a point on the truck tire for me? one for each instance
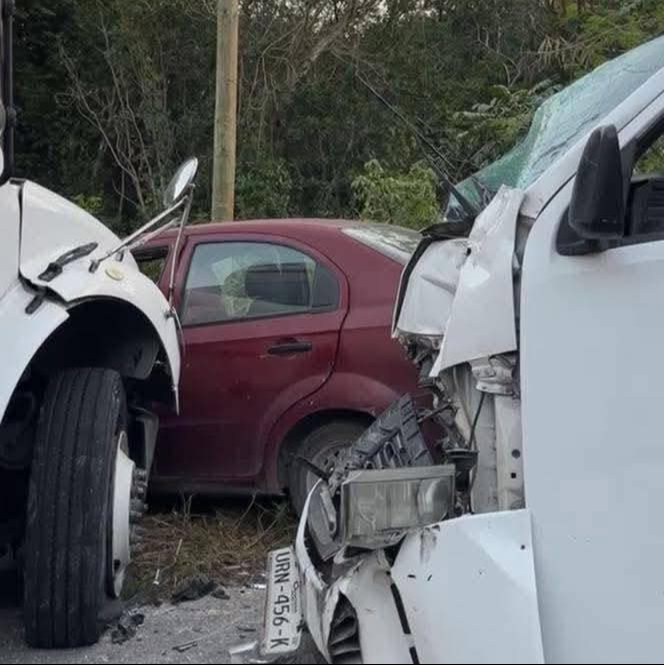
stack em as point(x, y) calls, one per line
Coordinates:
point(81, 439)
point(321, 447)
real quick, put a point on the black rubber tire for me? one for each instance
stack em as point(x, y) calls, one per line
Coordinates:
point(65, 582)
point(325, 441)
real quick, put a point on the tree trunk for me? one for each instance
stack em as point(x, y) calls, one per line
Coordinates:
point(225, 122)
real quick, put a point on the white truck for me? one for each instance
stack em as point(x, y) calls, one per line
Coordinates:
point(87, 345)
point(529, 530)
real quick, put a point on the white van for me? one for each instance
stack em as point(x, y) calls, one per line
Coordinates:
point(535, 532)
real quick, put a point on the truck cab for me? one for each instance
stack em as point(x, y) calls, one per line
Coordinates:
point(533, 536)
point(87, 345)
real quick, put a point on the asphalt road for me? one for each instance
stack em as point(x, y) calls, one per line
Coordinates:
point(202, 631)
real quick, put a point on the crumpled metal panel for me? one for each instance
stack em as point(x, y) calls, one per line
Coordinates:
point(482, 319)
point(368, 588)
point(427, 302)
point(469, 592)
point(366, 585)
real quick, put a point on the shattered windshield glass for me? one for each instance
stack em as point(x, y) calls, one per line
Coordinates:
point(562, 120)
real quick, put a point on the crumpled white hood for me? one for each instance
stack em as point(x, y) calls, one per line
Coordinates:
point(461, 291)
point(431, 287)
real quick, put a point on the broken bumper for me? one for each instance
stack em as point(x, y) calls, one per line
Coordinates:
point(346, 615)
point(462, 591)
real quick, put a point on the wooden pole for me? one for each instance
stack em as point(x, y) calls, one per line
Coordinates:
point(225, 121)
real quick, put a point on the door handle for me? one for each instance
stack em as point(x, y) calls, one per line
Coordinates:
point(290, 348)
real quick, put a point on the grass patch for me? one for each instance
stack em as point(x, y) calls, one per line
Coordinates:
point(229, 544)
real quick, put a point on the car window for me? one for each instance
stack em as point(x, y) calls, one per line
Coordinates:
point(395, 242)
point(230, 281)
point(652, 160)
point(151, 261)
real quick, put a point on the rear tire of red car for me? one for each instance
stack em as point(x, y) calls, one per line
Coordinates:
point(321, 447)
point(80, 444)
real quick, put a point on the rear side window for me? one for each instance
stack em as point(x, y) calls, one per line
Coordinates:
point(151, 262)
point(394, 242)
point(231, 281)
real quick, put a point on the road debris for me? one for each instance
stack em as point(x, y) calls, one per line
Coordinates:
point(127, 627)
point(181, 648)
point(246, 653)
point(220, 594)
point(193, 588)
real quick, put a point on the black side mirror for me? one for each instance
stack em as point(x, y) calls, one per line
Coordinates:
point(597, 209)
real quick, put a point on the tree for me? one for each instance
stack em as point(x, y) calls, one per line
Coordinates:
point(113, 94)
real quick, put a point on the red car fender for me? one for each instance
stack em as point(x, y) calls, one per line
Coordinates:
point(343, 392)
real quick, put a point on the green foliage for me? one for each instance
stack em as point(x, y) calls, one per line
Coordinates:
point(113, 94)
point(407, 199)
point(92, 204)
point(262, 190)
point(490, 128)
point(652, 161)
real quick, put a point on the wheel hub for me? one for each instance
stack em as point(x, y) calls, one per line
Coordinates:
point(325, 460)
point(122, 509)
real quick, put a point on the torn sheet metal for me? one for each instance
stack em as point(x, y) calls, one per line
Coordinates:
point(482, 319)
point(468, 590)
point(430, 289)
point(313, 588)
point(381, 634)
point(366, 585)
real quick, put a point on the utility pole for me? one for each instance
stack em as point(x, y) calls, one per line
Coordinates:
point(225, 120)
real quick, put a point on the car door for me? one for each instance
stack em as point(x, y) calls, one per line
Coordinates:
point(261, 318)
point(592, 365)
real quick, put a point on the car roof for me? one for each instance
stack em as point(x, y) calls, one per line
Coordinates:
point(284, 225)
point(332, 234)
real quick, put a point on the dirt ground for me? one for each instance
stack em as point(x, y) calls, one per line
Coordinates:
point(203, 631)
point(226, 543)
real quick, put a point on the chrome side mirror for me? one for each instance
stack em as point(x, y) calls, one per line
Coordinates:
point(181, 182)
point(178, 196)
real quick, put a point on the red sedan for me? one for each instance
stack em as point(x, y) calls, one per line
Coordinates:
point(288, 349)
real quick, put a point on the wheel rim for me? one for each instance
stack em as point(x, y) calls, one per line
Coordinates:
point(120, 536)
point(325, 460)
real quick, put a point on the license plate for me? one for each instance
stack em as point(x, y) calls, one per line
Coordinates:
point(283, 610)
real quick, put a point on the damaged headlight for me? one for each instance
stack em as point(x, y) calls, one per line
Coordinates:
point(379, 506)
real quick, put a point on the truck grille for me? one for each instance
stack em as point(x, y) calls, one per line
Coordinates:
point(344, 641)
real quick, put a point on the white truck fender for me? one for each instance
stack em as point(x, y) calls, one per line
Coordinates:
point(22, 335)
point(119, 281)
point(52, 226)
